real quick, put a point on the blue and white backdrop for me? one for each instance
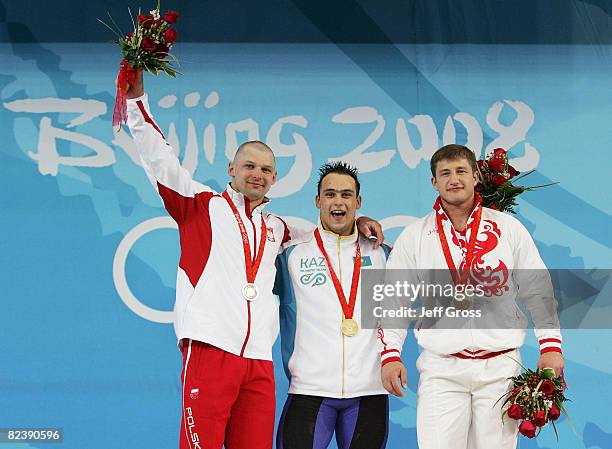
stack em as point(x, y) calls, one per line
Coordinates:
point(89, 256)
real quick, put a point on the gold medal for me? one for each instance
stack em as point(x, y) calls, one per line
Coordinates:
point(462, 304)
point(349, 327)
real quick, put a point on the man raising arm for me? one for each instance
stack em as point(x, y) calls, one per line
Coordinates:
point(225, 312)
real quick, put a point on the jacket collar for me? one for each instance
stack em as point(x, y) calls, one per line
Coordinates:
point(242, 202)
point(440, 210)
point(332, 238)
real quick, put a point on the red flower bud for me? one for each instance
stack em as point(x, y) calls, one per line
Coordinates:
point(554, 413)
point(539, 419)
point(497, 164)
point(547, 387)
point(515, 411)
point(527, 428)
point(145, 20)
point(170, 36)
point(162, 49)
point(170, 16)
point(147, 44)
point(498, 180)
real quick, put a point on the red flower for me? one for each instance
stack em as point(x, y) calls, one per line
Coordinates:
point(498, 180)
point(499, 152)
point(554, 413)
point(547, 387)
point(497, 164)
point(170, 16)
point(515, 411)
point(148, 44)
point(527, 428)
point(145, 20)
point(539, 419)
point(513, 171)
point(480, 165)
point(170, 35)
point(161, 48)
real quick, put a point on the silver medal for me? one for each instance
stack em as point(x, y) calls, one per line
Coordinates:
point(250, 291)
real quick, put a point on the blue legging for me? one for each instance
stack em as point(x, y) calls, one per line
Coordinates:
point(309, 422)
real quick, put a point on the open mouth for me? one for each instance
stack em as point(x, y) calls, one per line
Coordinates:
point(338, 213)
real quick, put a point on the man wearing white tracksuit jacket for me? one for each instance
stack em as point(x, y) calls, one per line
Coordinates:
point(464, 371)
point(334, 370)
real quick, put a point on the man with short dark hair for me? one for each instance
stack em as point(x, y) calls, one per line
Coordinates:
point(226, 314)
point(331, 362)
point(464, 371)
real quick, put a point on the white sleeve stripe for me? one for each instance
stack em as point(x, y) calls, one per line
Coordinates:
point(550, 345)
point(393, 353)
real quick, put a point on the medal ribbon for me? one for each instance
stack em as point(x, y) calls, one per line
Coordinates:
point(347, 307)
point(457, 278)
point(252, 266)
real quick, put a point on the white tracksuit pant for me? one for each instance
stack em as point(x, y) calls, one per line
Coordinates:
point(456, 402)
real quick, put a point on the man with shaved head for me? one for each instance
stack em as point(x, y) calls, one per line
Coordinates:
point(243, 167)
point(226, 316)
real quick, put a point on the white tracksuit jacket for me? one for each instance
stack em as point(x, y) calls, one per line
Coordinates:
point(503, 243)
point(209, 304)
point(317, 358)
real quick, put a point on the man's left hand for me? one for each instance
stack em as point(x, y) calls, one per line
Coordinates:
point(369, 227)
point(552, 360)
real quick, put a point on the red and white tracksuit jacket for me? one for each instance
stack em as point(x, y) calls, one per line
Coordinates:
point(209, 304)
point(503, 244)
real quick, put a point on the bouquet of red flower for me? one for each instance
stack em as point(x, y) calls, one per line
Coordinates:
point(147, 47)
point(537, 399)
point(495, 188)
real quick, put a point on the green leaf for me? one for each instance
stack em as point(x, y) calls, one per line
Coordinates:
point(107, 26)
point(132, 17)
point(115, 23)
point(555, 429)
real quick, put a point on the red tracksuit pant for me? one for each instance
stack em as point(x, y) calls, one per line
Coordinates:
point(227, 400)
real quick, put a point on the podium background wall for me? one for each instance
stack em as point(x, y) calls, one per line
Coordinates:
point(89, 256)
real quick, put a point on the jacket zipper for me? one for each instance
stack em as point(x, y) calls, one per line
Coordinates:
point(342, 314)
